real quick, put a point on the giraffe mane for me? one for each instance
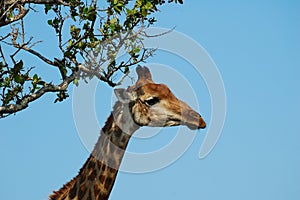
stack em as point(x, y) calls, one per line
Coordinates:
point(69, 185)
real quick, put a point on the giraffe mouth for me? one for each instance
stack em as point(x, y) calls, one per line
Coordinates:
point(194, 126)
point(197, 124)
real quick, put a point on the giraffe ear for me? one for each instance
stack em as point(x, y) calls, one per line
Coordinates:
point(122, 95)
point(144, 74)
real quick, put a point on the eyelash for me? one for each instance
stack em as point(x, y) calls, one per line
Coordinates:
point(152, 101)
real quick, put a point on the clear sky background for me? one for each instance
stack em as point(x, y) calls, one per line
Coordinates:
point(256, 46)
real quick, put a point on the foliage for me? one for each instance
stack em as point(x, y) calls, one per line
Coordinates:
point(89, 34)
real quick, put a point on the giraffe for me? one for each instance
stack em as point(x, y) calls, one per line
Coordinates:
point(143, 104)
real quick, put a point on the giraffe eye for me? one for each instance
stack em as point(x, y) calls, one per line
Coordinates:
point(151, 101)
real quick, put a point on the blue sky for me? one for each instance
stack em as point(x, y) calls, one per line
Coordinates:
point(256, 46)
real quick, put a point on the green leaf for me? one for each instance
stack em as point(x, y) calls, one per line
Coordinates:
point(19, 79)
point(62, 95)
point(91, 15)
point(19, 65)
point(86, 26)
point(85, 10)
point(6, 82)
point(72, 28)
point(8, 97)
point(35, 78)
point(47, 8)
point(126, 70)
point(81, 45)
point(1, 66)
point(144, 12)
point(136, 50)
point(118, 8)
point(70, 42)
point(113, 20)
point(75, 81)
point(55, 21)
point(17, 68)
point(112, 27)
point(10, 15)
point(148, 5)
point(74, 31)
point(50, 22)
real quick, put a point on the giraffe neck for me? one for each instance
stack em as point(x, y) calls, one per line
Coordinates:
point(97, 176)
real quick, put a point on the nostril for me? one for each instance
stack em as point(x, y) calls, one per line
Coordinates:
point(194, 114)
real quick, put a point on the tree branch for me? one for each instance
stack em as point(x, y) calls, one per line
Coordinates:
point(61, 2)
point(21, 14)
point(24, 102)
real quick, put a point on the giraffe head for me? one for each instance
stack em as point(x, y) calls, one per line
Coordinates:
point(153, 104)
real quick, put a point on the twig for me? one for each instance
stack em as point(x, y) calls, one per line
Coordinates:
point(23, 31)
point(2, 55)
point(157, 35)
point(29, 49)
point(4, 37)
point(82, 68)
point(123, 77)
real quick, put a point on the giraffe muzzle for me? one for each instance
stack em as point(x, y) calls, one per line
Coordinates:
point(193, 120)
